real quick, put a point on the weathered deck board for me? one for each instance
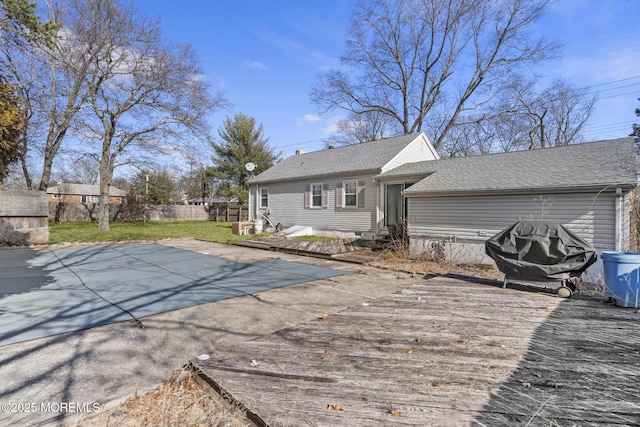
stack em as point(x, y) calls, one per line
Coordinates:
point(444, 352)
point(326, 249)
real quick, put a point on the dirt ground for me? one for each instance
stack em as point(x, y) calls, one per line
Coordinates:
point(184, 400)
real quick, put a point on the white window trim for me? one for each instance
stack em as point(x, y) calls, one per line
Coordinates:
point(344, 194)
point(260, 198)
point(311, 205)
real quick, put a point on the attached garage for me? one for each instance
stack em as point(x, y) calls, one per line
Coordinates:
point(463, 224)
point(461, 202)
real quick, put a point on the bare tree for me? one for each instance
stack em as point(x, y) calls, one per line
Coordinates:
point(50, 78)
point(636, 128)
point(78, 168)
point(143, 94)
point(408, 58)
point(365, 127)
point(528, 119)
point(554, 117)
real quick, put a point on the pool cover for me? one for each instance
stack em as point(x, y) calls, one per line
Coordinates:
point(45, 293)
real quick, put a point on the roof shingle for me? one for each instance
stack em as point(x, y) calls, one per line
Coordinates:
point(588, 165)
point(358, 158)
point(84, 189)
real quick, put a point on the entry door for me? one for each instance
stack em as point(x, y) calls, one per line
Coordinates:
point(395, 206)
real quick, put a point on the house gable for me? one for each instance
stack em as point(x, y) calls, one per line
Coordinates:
point(420, 149)
point(366, 158)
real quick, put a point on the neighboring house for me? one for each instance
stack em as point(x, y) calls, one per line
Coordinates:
point(210, 201)
point(335, 189)
point(452, 204)
point(83, 193)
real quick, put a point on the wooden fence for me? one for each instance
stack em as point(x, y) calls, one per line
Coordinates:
point(82, 212)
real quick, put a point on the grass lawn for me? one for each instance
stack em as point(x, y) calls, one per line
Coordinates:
point(76, 232)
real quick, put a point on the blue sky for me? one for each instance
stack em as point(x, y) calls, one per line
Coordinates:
point(265, 55)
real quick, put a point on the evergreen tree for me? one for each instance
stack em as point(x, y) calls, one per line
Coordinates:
point(241, 142)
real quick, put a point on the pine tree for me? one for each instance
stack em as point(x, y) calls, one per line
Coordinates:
point(241, 142)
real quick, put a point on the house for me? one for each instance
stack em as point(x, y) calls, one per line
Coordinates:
point(452, 205)
point(83, 193)
point(336, 189)
point(458, 203)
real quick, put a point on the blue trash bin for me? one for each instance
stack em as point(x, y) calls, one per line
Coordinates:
point(622, 277)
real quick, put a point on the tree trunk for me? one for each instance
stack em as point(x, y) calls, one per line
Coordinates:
point(106, 174)
point(46, 173)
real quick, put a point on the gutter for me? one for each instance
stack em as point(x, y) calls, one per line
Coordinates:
point(497, 191)
point(316, 176)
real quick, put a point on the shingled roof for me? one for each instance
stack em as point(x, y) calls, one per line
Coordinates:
point(594, 165)
point(368, 157)
point(84, 189)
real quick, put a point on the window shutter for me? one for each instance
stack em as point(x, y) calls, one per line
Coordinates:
point(307, 196)
point(339, 195)
point(325, 195)
point(361, 185)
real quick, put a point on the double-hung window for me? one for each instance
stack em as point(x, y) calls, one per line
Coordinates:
point(316, 195)
point(264, 198)
point(351, 194)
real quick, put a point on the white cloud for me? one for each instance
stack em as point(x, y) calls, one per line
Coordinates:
point(304, 53)
point(255, 65)
point(332, 125)
point(604, 65)
point(308, 119)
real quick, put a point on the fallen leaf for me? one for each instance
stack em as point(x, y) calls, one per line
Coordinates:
point(462, 342)
point(394, 413)
point(411, 351)
point(434, 384)
point(328, 353)
point(417, 340)
point(334, 408)
point(324, 316)
point(457, 300)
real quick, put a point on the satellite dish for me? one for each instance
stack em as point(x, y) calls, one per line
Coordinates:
point(250, 166)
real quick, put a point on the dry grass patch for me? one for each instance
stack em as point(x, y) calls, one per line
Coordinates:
point(182, 400)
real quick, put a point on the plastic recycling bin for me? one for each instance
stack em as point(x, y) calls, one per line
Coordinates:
point(622, 277)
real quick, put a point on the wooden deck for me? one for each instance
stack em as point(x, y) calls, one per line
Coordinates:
point(444, 351)
point(344, 249)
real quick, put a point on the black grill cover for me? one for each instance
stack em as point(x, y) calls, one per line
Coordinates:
point(534, 250)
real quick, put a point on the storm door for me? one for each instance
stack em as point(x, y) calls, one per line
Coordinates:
point(395, 210)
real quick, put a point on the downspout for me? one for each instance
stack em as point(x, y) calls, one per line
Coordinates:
point(251, 215)
point(619, 207)
point(378, 211)
point(256, 203)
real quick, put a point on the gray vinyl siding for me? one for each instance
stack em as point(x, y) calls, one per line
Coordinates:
point(286, 203)
point(476, 218)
